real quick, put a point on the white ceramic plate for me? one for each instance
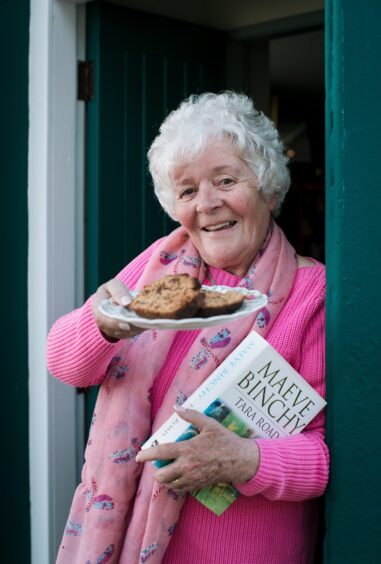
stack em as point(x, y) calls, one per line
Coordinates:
point(253, 302)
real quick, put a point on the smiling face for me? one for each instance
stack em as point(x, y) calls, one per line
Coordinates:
point(217, 202)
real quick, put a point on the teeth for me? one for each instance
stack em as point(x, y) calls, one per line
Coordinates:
point(219, 226)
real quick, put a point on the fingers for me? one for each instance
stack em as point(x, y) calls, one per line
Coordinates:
point(167, 451)
point(197, 419)
point(198, 461)
point(173, 477)
point(171, 474)
point(117, 292)
point(177, 477)
point(214, 455)
point(173, 481)
point(112, 329)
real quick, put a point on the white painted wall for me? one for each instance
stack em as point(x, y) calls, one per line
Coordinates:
point(54, 262)
point(37, 277)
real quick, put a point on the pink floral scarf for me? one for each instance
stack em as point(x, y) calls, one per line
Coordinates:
point(119, 513)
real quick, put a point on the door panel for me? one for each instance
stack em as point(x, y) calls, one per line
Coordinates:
point(144, 66)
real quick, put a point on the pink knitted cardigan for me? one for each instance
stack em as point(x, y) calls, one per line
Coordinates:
point(275, 519)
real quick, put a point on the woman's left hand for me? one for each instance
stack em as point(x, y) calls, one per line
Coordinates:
point(215, 455)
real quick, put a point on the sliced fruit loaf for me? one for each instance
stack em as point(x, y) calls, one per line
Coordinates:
point(219, 303)
point(175, 296)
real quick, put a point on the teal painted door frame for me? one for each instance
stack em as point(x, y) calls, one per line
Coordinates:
point(353, 243)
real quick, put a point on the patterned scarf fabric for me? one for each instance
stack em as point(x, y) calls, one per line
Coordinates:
point(119, 513)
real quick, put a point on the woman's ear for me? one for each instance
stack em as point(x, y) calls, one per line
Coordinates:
point(273, 201)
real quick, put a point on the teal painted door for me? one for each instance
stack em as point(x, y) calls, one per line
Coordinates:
point(144, 66)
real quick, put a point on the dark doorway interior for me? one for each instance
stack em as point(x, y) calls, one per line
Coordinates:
point(296, 66)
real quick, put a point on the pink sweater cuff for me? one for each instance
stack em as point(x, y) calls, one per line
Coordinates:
point(291, 469)
point(85, 361)
point(93, 335)
point(260, 481)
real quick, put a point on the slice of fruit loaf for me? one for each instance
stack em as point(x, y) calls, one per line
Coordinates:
point(219, 303)
point(175, 296)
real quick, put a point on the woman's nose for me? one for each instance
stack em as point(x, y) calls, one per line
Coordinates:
point(207, 197)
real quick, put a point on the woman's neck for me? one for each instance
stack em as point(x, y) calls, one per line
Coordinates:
point(217, 276)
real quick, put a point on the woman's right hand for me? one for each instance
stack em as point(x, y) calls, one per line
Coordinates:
point(112, 329)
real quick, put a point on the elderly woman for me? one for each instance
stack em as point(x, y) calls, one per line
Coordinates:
point(218, 168)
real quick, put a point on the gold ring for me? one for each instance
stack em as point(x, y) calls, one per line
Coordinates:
point(176, 484)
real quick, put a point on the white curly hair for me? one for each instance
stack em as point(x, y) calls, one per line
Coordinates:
point(187, 131)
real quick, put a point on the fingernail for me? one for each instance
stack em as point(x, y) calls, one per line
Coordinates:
point(125, 300)
point(179, 408)
point(137, 457)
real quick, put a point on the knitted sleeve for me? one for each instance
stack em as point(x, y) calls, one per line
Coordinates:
point(77, 353)
point(296, 468)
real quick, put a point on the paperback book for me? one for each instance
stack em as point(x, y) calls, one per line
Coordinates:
point(254, 392)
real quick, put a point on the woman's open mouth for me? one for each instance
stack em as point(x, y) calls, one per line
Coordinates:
point(219, 226)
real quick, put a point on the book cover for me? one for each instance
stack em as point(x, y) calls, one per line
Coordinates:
point(254, 392)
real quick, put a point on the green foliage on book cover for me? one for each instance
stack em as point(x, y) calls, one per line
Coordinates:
point(219, 497)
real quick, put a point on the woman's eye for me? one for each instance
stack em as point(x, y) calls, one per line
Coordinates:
point(226, 181)
point(187, 192)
